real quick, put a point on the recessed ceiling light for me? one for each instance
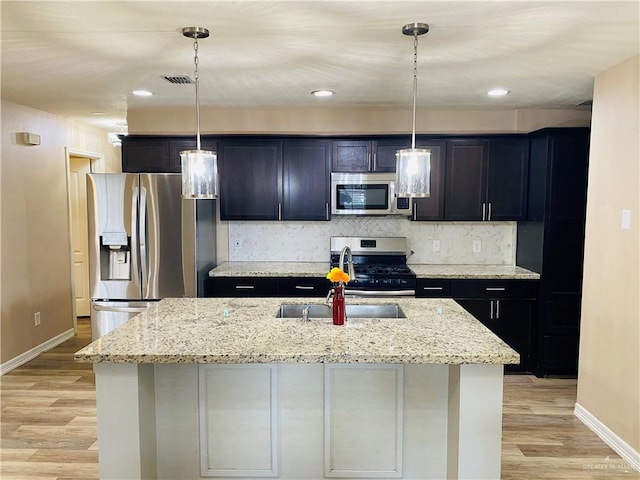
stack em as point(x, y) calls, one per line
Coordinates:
point(98, 113)
point(497, 92)
point(323, 93)
point(142, 93)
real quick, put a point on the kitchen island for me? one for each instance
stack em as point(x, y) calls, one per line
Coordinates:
point(219, 387)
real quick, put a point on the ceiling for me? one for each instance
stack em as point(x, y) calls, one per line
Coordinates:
point(83, 57)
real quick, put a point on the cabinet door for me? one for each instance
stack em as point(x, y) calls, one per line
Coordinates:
point(538, 172)
point(507, 179)
point(466, 179)
point(177, 145)
point(145, 154)
point(351, 156)
point(384, 154)
point(511, 320)
point(433, 288)
point(241, 287)
point(250, 179)
point(303, 287)
point(432, 208)
point(306, 180)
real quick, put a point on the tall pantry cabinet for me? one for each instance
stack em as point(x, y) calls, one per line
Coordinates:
point(551, 242)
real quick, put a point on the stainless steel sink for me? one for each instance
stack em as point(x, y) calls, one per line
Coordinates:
point(391, 310)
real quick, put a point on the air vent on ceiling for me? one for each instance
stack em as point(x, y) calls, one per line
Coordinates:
point(178, 79)
point(586, 103)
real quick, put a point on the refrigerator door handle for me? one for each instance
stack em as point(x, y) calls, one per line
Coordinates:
point(104, 308)
point(135, 244)
point(142, 229)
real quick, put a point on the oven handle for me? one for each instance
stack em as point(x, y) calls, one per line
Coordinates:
point(381, 293)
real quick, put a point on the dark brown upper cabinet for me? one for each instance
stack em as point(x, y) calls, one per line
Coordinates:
point(486, 180)
point(307, 173)
point(466, 179)
point(432, 208)
point(507, 179)
point(361, 156)
point(250, 176)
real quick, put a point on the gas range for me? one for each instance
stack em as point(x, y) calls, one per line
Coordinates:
point(380, 265)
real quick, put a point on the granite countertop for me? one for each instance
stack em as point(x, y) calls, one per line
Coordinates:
point(271, 269)
point(474, 271)
point(320, 269)
point(245, 330)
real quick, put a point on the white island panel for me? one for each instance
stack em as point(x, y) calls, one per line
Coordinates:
point(238, 421)
point(363, 421)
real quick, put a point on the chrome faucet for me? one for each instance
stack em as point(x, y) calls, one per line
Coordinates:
point(346, 251)
point(305, 313)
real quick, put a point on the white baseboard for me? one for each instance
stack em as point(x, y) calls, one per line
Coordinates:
point(618, 445)
point(35, 351)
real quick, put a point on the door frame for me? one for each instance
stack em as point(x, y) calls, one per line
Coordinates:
point(97, 166)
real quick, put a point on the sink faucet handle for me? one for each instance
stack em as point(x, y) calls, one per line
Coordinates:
point(305, 313)
point(327, 300)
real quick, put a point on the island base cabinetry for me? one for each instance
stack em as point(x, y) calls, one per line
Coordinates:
point(299, 421)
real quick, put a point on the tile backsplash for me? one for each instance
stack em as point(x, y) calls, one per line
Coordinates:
point(309, 241)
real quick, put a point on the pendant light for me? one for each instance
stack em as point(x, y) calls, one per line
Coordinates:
point(199, 167)
point(413, 165)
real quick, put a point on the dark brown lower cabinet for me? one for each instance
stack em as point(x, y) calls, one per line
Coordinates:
point(241, 287)
point(267, 287)
point(512, 321)
point(506, 307)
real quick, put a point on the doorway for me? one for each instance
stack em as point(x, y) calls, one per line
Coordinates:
point(79, 164)
point(79, 167)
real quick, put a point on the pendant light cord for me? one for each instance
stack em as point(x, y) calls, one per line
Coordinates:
point(415, 87)
point(197, 78)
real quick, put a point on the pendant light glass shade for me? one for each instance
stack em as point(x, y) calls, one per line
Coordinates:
point(413, 165)
point(199, 167)
point(199, 174)
point(413, 172)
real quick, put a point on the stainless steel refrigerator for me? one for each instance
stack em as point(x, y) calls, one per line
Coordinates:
point(145, 243)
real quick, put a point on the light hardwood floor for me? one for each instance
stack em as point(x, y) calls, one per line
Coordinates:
point(48, 420)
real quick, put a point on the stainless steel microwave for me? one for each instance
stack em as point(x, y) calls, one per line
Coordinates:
point(366, 194)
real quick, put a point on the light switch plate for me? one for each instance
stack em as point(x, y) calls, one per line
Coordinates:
point(435, 246)
point(626, 220)
point(477, 246)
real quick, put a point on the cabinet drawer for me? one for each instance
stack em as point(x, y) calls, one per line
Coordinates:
point(494, 288)
point(242, 287)
point(433, 288)
point(303, 287)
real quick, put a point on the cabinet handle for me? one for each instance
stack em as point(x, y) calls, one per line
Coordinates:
point(375, 161)
point(489, 216)
point(369, 160)
point(491, 317)
point(484, 210)
point(495, 289)
point(303, 287)
point(433, 288)
point(245, 287)
point(326, 210)
point(497, 309)
point(279, 211)
point(415, 210)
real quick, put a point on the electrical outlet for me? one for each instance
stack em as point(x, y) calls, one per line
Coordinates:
point(36, 319)
point(435, 246)
point(477, 246)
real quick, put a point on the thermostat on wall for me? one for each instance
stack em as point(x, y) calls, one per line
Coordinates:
point(29, 138)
